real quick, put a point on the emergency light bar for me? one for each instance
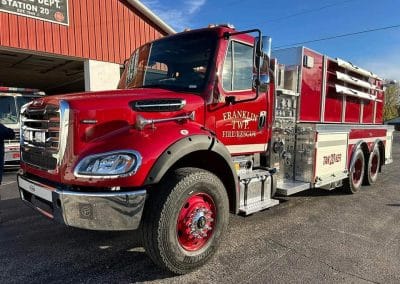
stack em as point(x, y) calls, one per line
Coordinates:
point(21, 90)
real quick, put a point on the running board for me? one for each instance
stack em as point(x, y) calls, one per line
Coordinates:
point(258, 206)
point(255, 191)
point(287, 188)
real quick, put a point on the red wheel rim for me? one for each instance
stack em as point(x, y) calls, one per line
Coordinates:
point(196, 222)
point(374, 165)
point(358, 168)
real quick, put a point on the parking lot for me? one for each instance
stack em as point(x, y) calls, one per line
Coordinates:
point(313, 236)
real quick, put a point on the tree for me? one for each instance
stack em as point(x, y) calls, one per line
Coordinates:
point(391, 108)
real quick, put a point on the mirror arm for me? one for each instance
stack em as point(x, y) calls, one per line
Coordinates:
point(230, 100)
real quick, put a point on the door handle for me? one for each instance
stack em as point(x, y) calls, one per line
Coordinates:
point(262, 119)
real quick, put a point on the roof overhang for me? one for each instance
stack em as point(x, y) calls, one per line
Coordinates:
point(153, 17)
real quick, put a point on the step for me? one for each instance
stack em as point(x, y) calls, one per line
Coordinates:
point(287, 188)
point(258, 206)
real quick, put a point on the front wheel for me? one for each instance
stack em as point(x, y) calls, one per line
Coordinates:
point(184, 219)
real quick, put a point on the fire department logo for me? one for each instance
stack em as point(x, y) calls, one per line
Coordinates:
point(58, 16)
point(241, 123)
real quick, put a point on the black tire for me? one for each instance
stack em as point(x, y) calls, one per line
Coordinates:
point(353, 183)
point(163, 210)
point(374, 162)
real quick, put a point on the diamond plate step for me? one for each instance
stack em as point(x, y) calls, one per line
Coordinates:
point(287, 188)
point(258, 206)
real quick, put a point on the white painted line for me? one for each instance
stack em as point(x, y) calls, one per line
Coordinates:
point(235, 149)
point(7, 183)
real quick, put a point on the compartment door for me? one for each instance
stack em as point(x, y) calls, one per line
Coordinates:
point(331, 157)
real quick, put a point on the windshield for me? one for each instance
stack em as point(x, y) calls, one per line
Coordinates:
point(178, 63)
point(8, 112)
point(10, 107)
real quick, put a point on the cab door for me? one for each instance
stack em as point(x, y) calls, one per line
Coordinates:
point(240, 126)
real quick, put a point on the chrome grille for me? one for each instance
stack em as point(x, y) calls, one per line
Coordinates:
point(40, 136)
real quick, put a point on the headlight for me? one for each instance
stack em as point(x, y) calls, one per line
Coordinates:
point(109, 165)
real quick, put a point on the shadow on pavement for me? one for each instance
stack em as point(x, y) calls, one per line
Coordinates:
point(50, 252)
point(316, 192)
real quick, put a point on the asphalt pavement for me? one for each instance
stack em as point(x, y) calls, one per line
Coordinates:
point(315, 236)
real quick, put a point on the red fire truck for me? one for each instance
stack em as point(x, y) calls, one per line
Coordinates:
point(204, 123)
point(11, 100)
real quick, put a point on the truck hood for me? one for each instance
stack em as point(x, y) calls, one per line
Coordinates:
point(107, 111)
point(106, 121)
point(118, 97)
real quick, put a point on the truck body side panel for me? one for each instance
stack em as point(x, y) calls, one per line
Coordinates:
point(334, 112)
point(333, 103)
point(327, 159)
point(311, 82)
point(379, 112)
point(368, 112)
point(331, 157)
point(331, 90)
point(353, 110)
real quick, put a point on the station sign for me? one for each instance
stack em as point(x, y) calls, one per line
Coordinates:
point(55, 11)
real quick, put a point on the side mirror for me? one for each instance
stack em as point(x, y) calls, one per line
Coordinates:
point(266, 43)
point(262, 57)
point(264, 81)
point(263, 52)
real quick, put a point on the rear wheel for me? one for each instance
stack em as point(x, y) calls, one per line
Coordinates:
point(353, 183)
point(374, 163)
point(184, 220)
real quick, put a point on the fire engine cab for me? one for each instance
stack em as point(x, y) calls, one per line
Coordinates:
point(204, 123)
point(11, 101)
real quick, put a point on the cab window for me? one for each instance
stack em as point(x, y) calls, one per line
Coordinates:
point(8, 112)
point(237, 72)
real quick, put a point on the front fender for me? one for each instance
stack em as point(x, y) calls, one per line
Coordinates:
point(182, 148)
point(191, 144)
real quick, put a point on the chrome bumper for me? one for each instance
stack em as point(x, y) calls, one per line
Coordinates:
point(111, 211)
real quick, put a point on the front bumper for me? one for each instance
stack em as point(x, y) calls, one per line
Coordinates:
point(111, 211)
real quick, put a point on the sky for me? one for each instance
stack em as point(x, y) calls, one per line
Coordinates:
point(292, 22)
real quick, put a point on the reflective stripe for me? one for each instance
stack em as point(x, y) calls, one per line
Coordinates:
point(321, 144)
point(234, 149)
